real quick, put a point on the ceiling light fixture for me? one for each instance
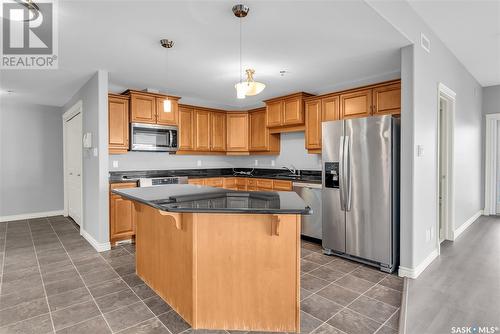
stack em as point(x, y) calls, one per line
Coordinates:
point(249, 87)
point(167, 104)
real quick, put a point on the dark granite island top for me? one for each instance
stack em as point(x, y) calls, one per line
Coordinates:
point(201, 199)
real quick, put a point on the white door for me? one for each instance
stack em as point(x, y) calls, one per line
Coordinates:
point(74, 166)
point(443, 170)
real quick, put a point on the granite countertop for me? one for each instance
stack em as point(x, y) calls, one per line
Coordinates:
point(201, 199)
point(308, 176)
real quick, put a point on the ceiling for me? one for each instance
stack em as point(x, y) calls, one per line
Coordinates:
point(322, 45)
point(471, 30)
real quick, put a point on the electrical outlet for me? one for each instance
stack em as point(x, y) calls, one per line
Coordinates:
point(420, 150)
point(198, 163)
point(433, 233)
point(95, 151)
point(273, 162)
point(115, 163)
point(256, 162)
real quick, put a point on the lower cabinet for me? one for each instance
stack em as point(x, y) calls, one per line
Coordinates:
point(243, 183)
point(121, 215)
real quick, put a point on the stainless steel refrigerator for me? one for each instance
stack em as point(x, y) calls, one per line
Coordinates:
point(360, 192)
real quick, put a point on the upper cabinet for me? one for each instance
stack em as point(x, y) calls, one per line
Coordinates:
point(164, 114)
point(313, 124)
point(286, 113)
point(387, 99)
point(260, 140)
point(186, 128)
point(330, 108)
point(237, 132)
point(201, 130)
point(118, 123)
point(218, 131)
point(356, 104)
point(151, 108)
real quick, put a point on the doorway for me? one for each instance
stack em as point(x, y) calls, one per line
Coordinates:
point(445, 117)
point(72, 134)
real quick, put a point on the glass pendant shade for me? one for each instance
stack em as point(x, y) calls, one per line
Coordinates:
point(254, 88)
point(167, 105)
point(241, 89)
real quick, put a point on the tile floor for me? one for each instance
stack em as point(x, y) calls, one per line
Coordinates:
point(53, 281)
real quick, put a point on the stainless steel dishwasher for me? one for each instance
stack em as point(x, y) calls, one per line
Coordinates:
point(311, 194)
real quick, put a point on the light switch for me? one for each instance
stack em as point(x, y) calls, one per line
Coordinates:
point(256, 162)
point(115, 163)
point(273, 163)
point(95, 151)
point(198, 163)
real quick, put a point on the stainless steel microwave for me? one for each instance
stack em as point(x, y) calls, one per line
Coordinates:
point(152, 137)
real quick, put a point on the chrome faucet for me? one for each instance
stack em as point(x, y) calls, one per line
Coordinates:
point(292, 170)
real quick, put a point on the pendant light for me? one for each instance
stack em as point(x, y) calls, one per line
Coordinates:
point(249, 87)
point(167, 104)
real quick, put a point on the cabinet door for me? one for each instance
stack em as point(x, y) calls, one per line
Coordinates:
point(293, 112)
point(259, 134)
point(282, 185)
point(218, 131)
point(237, 132)
point(330, 109)
point(264, 184)
point(313, 124)
point(274, 111)
point(118, 125)
point(167, 118)
point(202, 130)
point(122, 217)
point(356, 104)
point(143, 108)
point(387, 99)
point(186, 127)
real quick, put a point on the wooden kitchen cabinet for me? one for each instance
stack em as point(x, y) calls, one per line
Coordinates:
point(229, 183)
point(198, 182)
point(186, 128)
point(264, 184)
point(118, 123)
point(260, 140)
point(202, 130)
point(237, 132)
point(330, 108)
point(286, 113)
point(387, 99)
point(313, 124)
point(244, 184)
point(356, 104)
point(282, 185)
point(142, 108)
point(214, 182)
point(121, 214)
point(218, 131)
point(167, 118)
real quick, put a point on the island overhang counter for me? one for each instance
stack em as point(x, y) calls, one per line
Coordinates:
point(222, 259)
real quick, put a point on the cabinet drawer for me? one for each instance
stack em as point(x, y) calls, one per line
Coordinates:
point(198, 182)
point(229, 183)
point(214, 182)
point(282, 185)
point(265, 184)
point(123, 185)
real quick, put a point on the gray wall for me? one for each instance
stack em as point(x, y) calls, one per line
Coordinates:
point(292, 152)
point(31, 159)
point(419, 209)
point(491, 100)
point(94, 97)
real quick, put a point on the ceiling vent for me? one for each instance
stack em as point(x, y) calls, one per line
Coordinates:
point(425, 42)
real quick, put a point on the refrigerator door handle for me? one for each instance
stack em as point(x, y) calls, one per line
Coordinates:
point(347, 173)
point(341, 173)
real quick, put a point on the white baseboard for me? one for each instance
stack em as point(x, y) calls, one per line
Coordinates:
point(465, 225)
point(99, 246)
point(415, 272)
point(31, 215)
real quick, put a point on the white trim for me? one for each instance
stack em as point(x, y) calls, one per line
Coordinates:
point(450, 96)
point(74, 110)
point(490, 164)
point(404, 306)
point(415, 272)
point(468, 223)
point(99, 246)
point(31, 215)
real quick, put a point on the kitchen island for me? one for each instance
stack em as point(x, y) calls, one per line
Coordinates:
point(222, 259)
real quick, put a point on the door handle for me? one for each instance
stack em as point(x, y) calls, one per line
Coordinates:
point(70, 173)
point(347, 172)
point(77, 174)
point(341, 173)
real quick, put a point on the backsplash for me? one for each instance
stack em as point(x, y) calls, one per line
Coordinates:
point(293, 152)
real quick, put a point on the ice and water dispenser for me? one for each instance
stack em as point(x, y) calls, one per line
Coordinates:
point(331, 174)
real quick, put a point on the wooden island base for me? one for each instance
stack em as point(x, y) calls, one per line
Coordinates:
point(223, 271)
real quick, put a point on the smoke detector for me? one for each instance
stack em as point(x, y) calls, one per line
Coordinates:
point(166, 43)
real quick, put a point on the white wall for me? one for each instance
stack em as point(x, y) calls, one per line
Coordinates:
point(292, 152)
point(491, 100)
point(94, 97)
point(31, 159)
point(420, 92)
